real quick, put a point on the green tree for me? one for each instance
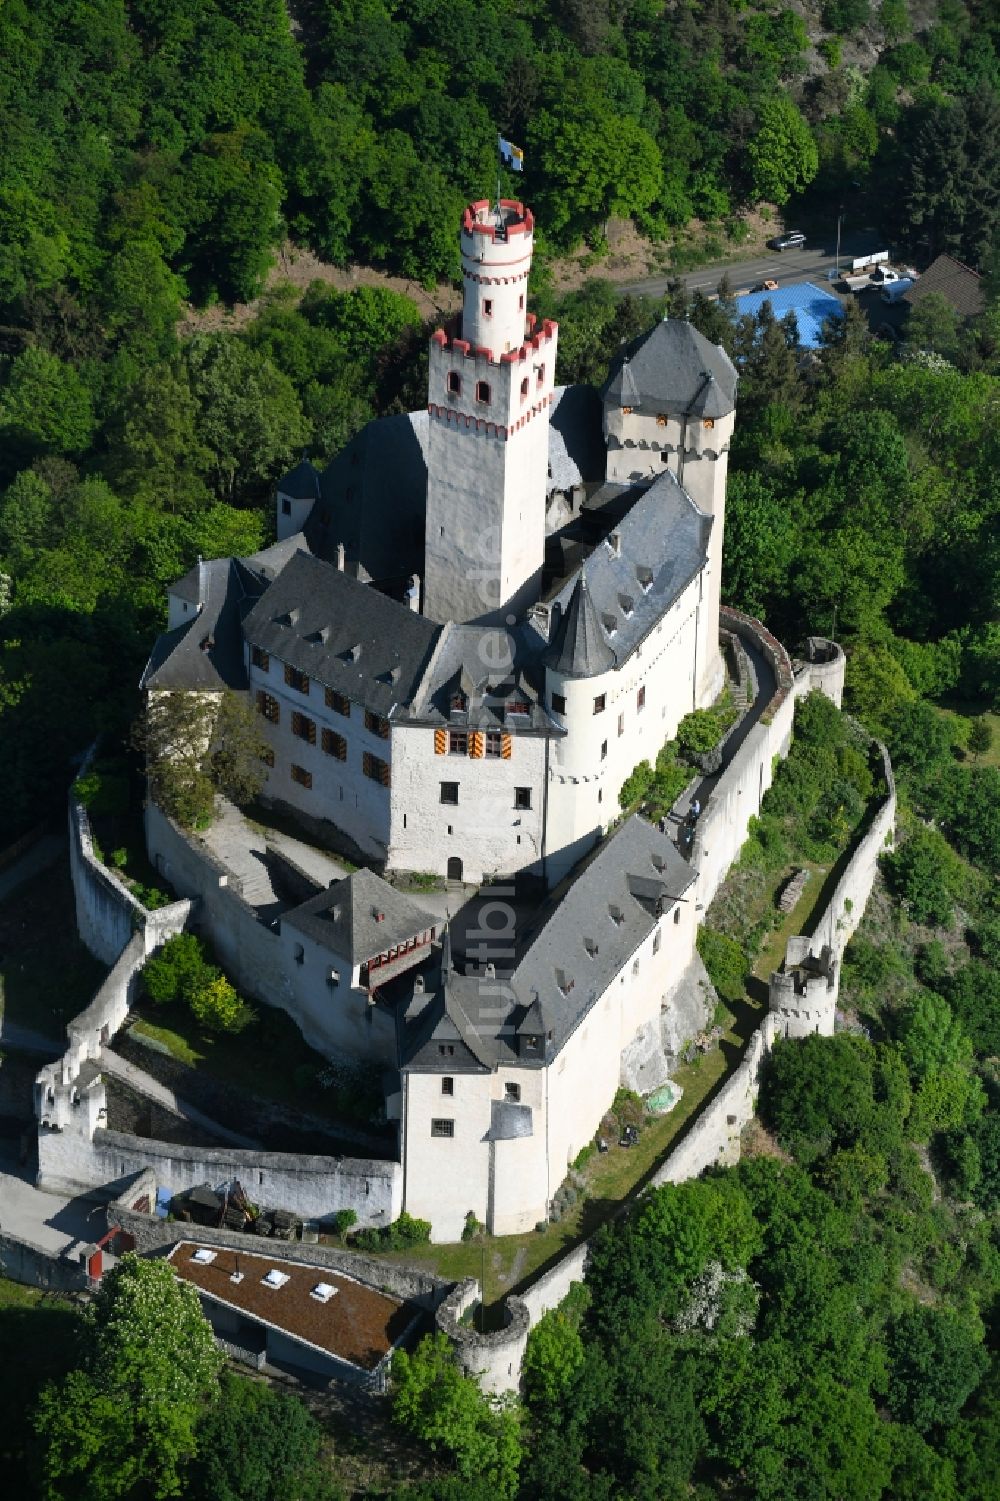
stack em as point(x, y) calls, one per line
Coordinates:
point(45, 408)
point(782, 152)
point(923, 872)
point(937, 1360)
point(980, 736)
point(445, 1409)
point(930, 1036)
point(553, 1356)
point(124, 1423)
point(177, 970)
point(257, 1444)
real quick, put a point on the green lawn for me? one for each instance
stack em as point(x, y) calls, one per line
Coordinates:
point(797, 921)
point(270, 1059)
point(46, 974)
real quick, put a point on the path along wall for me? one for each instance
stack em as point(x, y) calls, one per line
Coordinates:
point(839, 919)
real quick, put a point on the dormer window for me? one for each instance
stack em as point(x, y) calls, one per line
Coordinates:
point(458, 703)
point(610, 624)
point(645, 577)
point(517, 706)
point(616, 914)
point(614, 543)
point(590, 945)
point(627, 604)
point(564, 981)
point(708, 422)
point(483, 392)
point(454, 383)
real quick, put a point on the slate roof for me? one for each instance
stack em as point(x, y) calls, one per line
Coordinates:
point(577, 646)
point(373, 498)
point(673, 368)
point(576, 450)
point(206, 652)
point(490, 665)
point(662, 543)
point(568, 966)
point(956, 283)
point(344, 634)
point(343, 918)
point(810, 304)
point(300, 483)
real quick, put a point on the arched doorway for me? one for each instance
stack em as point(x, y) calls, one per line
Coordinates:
point(454, 868)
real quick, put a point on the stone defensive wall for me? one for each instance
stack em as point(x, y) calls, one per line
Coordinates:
point(33, 1266)
point(713, 1138)
point(150, 1235)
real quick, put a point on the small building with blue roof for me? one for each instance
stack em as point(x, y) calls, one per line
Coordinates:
point(810, 304)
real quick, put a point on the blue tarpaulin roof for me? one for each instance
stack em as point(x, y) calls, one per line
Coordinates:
point(810, 304)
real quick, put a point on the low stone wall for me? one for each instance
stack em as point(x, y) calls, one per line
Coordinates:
point(313, 1187)
point(107, 914)
point(153, 1236)
point(548, 1291)
point(21, 1261)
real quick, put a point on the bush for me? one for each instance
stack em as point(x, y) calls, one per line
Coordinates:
point(922, 873)
point(699, 731)
point(345, 1220)
point(180, 974)
point(473, 1227)
point(725, 961)
point(399, 1236)
point(636, 785)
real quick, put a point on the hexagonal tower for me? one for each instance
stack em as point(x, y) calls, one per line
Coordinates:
point(490, 386)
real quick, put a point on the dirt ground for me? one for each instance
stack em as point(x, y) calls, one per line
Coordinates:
point(629, 258)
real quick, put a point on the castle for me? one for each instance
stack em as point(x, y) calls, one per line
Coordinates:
point(471, 628)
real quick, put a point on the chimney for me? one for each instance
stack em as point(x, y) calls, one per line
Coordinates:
point(340, 557)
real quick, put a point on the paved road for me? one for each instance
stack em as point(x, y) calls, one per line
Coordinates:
point(811, 264)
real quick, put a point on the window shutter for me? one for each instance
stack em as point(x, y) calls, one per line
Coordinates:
point(506, 745)
point(440, 742)
point(477, 744)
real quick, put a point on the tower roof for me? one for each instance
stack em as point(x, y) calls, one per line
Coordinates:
point(359, 917)
point(300, 483)
point(578, 648)
point(674, 368)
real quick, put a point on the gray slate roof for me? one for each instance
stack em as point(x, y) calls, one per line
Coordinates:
point(301, 483)
point(577, 646)
point(206, 652)
point(344, 634)
point(662, 544)
point(637, 871)
point(490, 665)
point(673, 368)
point(576, 450)
point(373, 498)
point(344, 917)
point(633, 871)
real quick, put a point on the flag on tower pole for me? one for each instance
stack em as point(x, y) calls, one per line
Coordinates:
point(510, 155)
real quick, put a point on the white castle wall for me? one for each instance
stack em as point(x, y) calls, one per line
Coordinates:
point(485, 830)
point(107, 914)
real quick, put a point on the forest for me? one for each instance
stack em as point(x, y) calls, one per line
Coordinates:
point(821, 1321)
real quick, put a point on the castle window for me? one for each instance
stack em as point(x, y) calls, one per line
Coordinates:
point(454, 383)
point(524, 388)
point(627, 411)
point(540, 380)
point(512, 1093)
point(334, 745)
point(708, 422)
point(458, 703)
point(446, 1049)
point(494, 745)
point(640, 698)
point(657, 940)
point(268, 706)
point(442, 1128)
point(621, 725)
point(296, 679)
point(522, 797)
point(449, 793)
point(286, 507)
point(677, 915)
point(531, 1044)
point(600, 703)
point(458, 743)
point(483, 391)
point(299, 954)
point(304, 728)
point(302, 777)
point(338, 703)
point(661, 419)
point(260, 659)
point(635, 966)
point(604, 750)
point(375, 769)
point(447, 1085)
point(558, 703)
point(487, 307)
point(520, 302)
point(376, 725)
point(517, 706)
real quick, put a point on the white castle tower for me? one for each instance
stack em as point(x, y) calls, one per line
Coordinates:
point(489, 390)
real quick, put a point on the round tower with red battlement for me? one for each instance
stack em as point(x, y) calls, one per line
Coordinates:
point(490, 386)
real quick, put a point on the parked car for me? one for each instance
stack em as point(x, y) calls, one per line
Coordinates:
point(792, 239)
point(765, 286)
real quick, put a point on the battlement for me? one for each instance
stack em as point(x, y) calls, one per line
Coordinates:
point(493, 223)
point(533, 342)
